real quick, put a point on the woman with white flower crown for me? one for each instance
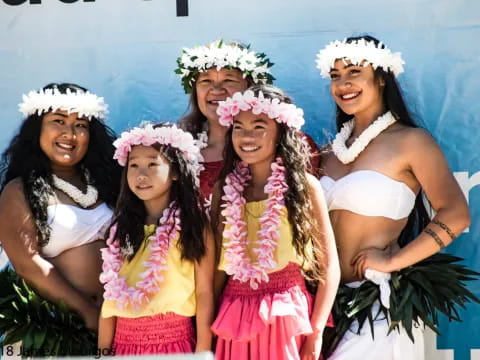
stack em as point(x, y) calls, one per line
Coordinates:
point(58, 183)
point(210, 74)
point(274, 233)
point(376, 170)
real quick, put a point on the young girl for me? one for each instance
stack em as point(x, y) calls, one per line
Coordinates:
point(158, 267)
point(276, 224)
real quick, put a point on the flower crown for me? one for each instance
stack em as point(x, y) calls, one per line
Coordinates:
point(220, 55)
point(85, 104)
point(281, 112)
point(164, 135)
point(357, 52)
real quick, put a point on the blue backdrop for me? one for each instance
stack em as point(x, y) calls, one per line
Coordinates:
point(126, 51)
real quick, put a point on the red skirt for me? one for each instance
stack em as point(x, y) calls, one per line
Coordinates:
point(270, 322)
point(159, 334)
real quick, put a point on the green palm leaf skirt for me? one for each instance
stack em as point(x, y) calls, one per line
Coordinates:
point(419, 293)
point(44, 328)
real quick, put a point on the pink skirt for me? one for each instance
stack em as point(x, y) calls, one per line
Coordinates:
point(267, 323)
point(159, 334)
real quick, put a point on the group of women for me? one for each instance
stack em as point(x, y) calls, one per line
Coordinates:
point(279, 222)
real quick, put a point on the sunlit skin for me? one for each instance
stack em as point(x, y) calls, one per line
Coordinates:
point(254, 139)
point(371, 241)
point(64, 139)
point(356, 90)
point(149, 177)
point(213, 86)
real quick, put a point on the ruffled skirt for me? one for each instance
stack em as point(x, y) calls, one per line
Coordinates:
point(159, 334)
point(267, 323)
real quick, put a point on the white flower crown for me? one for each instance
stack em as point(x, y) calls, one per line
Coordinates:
point(85, 104)
point(357, 52)
point(220, 55)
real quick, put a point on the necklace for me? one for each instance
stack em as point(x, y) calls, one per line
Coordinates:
point(84, 200)
point(238, 263)
point(347, 155)
point(116, 287)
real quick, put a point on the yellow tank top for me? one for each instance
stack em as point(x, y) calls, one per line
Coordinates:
point(177, 291)
point(284, 253)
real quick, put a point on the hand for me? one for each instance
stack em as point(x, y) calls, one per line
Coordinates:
point(373, 258)
point(312, 347)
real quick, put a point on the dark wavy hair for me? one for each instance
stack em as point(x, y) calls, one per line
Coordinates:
point(293, 149)
point(130, 212)
point(24, 159)
point(194, 121)
point(395, 103)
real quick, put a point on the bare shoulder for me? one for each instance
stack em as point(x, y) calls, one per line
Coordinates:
point(415, 137)
point(314, 184)
point(13, 194)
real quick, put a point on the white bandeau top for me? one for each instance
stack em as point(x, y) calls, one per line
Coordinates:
point(369, 193)
point(73, 226)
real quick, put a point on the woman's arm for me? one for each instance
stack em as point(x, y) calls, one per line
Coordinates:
point(204, 271)
point(19, 239)
point(327, 289)
point(217, 227)
point(106, 331)
point(427, 163)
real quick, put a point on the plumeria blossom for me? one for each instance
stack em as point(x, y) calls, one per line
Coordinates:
point(164, 135)
point(220, 55)
point(238, 264)
point(85, 104)
point(281, 112)
point(360, 52)
point(116, 286)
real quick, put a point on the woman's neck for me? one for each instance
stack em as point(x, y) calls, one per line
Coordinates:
point(68, 173)
point(366, 118)
point(260, 173)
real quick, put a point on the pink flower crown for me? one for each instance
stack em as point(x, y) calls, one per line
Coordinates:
point(281, 112)
point(165, 135)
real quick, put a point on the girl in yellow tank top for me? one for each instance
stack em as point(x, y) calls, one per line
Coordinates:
point(159, 264)
point(270, 220)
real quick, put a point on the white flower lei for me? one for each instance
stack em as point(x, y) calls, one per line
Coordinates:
point(220, 55)
point(358, 52)
point(84, 200)
point(347, 155)
point(85, 104)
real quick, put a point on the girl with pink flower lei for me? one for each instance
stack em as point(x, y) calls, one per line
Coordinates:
point(159, 264)
point(271, 222)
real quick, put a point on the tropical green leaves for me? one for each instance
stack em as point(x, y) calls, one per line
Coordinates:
point(43, 327)
point(419, 293)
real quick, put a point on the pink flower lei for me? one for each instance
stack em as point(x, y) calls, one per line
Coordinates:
point(238, 263)
point(281, 112)
point(116, 287)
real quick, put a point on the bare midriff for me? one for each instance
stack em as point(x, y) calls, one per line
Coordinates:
point(354, 233)
point(81, 267)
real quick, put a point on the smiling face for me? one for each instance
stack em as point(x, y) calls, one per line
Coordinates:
point(355, 89)
point(149, 174)
point(255, 137)
point(213, 86)
point(64, 138)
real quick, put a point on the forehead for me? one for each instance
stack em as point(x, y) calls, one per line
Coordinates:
point(223, 72)
point(246, 117)
point(65, 115)
point(341, 64)
point(141, 151)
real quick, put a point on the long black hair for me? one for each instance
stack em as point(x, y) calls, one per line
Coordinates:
point(394, 102)
point(294, 150)
point(130, 212)
point(24, 159)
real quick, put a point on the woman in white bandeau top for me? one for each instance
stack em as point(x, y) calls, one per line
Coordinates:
point(376, 169)
point(58, 182)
